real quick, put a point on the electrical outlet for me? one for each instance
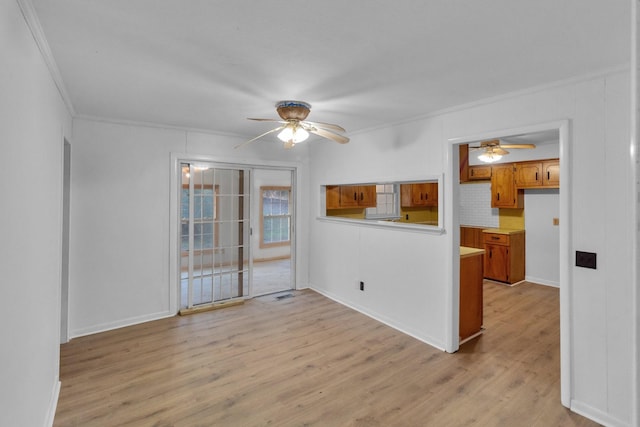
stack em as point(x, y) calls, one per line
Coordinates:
point(362, 286)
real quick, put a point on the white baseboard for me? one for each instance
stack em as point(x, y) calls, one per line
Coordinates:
point(90, 330)
point(597, 415)
point(382, 319)
point(53, 404)
point(540, 281)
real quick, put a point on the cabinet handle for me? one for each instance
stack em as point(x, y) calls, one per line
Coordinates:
point(536, 176)
point(490, 253)
point(548, 175)
point(362, 196)
point(498, 196)
point(495, 238)
point(420, 195)
point(355, 196)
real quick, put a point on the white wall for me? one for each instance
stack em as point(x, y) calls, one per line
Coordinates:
point(542, 245)
point(410, 281)
point(33, 124)
point(120, 217)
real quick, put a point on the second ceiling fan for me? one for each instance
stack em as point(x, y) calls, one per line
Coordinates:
point(493, 150)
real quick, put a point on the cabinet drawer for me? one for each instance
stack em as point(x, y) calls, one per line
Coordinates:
point(496, 239)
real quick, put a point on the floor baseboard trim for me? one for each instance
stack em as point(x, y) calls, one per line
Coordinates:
point(597, 415)
point(119, 324)
point(380, 318)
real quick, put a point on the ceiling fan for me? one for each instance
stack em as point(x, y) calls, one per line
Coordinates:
point(493, 150)
point(295, 128)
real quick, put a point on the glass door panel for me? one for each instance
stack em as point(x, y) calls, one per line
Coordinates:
point(214, 234)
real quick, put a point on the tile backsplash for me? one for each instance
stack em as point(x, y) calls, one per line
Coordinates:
point(475, 205)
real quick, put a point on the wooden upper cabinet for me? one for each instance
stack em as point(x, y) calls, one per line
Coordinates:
point(504, 193)
point(350, 196)
point(479, 172)
point(367, 196)
point(419, 194)
point(464, 162)
point(333, 196)
point(535, 174)
point(551, 173)
point(528, 174)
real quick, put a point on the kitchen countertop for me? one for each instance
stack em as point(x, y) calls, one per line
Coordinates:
point(502, 231)
point(467, 251)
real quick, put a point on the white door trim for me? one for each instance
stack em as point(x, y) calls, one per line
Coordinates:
point(566, 282)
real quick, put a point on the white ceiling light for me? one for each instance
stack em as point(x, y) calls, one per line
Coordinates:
point(293, 133)
point(489, 156)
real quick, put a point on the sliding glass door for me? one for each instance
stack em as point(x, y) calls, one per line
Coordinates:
point(215, 233)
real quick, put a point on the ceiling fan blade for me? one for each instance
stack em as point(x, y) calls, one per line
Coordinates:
point(326, 126)
point(500, 151)
point(242, 144)
point(329, 135)
point(266, 120)
point(518, 145)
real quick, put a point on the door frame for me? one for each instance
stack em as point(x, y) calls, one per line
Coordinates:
point(174, 220)
point(566, 283)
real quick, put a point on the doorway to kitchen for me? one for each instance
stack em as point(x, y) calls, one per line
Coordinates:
point(560, 220)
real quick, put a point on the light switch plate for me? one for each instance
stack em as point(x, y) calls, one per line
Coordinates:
point(586, 259)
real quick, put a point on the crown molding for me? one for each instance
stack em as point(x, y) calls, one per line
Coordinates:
point(597, 74)
point(31, 18)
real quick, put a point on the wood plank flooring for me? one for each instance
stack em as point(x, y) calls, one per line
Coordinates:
point(308, 361)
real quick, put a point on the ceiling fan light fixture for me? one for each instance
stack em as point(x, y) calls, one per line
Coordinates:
point(293, 133)
point(489, 157)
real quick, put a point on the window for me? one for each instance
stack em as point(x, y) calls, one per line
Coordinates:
point(205, 213)
point(275, 216)
point(387, 202)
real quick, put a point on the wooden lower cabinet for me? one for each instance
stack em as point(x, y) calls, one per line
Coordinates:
point(471, 276)
point(472, 237)
point(504, 257)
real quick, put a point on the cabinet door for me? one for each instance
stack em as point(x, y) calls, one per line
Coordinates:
point(464, 162)
point(496, 262)
point(470, 296)
point(333, 196)
point(424, 194)
point(528, 174)
point(367, 196)
point(551, 173)
point(348, 196)
point(479, 172)
point(503, 190)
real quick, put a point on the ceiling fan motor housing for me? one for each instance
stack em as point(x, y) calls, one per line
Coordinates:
point(293, 110)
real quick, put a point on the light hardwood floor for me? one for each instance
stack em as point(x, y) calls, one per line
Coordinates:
point(308, 361)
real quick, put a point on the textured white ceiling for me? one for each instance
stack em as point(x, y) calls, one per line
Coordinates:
point(209, 64)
